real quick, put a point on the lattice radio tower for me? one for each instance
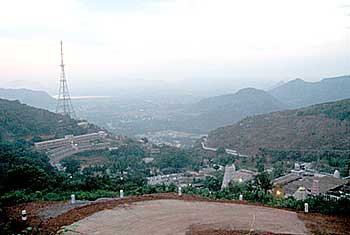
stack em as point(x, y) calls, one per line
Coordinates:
point(64, 102)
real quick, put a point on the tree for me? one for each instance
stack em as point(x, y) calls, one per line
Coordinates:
point(92, 183)
point(212, 183)
point(220, 151)
point(27, 177)
point(235, 187)
point(263, 181)
point(345, 170)
point(278, 170)
point(260, 164)
point(72, 165)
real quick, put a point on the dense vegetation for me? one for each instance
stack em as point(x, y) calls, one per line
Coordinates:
point(174, 160)
point(24, 170)
point(335, 110)
point(128, 159)
point(28, 176)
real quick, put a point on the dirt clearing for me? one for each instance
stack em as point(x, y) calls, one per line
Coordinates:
point(178, 217)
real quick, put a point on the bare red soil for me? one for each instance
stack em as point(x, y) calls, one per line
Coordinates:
point(316, 223)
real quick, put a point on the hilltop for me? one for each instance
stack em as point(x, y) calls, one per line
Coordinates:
point(38, 99)
point(299, 93)
point(213, 112)
point(319, 127)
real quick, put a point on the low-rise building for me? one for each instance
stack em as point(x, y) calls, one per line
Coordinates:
point(180, 179)
point(69, 140)
point(300, 186)
point(147, 159)
point(243, 175)
point(239, 176)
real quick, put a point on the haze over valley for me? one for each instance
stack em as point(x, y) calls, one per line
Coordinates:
point(186, 117)
point(161, 115)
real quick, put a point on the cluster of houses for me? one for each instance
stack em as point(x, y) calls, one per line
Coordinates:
point(300, 183)
point(177, 179)
point(303, 182)
point(182, 179)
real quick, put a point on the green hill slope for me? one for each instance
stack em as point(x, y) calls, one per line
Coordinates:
point(20, 121)
point(319, 127)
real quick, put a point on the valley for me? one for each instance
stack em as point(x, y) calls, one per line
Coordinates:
point(185, 117)
point(250, 159)
point(154, 116)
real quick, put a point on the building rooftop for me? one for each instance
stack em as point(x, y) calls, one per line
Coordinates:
point(325, 183)
point(243, 175)
point(286, 179)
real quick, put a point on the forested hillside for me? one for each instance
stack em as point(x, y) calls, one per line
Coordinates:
point(22, 169)
point(20, 121)
point(319, 127)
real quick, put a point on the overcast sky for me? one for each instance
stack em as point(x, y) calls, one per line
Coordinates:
point(172, 40)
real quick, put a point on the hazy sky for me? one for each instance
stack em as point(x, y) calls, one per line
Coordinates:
point(172, 40)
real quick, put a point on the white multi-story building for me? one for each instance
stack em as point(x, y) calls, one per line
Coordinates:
point(60, 148)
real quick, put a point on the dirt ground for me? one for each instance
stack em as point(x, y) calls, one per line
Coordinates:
point(175, 217)
point(49, 217)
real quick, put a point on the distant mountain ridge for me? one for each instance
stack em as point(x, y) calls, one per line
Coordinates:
point(250, 96)
point(209, 113)
point(323, 126)
point(39, 99)
point(299, 93)
point(213, 112)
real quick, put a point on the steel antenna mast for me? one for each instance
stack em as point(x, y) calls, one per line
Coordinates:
point(64, 102)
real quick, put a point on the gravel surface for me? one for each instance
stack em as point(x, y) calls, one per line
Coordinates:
point(55, 210)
